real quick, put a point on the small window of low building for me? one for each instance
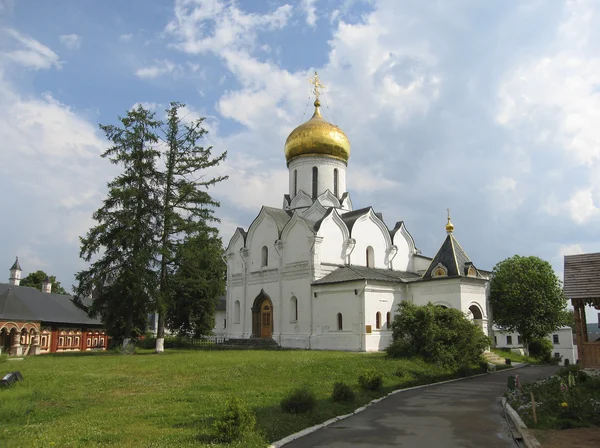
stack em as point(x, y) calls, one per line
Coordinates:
point(555, 339)
point(388, 320)
point(509, 340)
point(495, 340)
point(557, 355)
point(340, 322)
point(378, 320)
point(519, 340)
point(224, 323)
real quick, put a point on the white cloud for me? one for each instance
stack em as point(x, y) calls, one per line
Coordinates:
point(212, 25)
point(71, 41)
point(30, 53)
point(125, 37)
point(55, 165)
point(310, 10)
point(364, 179)
point(569, 249)
point(503, 184)
point(159, 68)
point(560, 90)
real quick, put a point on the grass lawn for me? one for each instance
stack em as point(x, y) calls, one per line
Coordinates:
point(171, 400)
point(514, 357)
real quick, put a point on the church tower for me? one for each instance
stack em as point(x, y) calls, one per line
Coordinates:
point(317, 154)
point(15, 273)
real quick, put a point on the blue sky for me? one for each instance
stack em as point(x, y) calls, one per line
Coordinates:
point(488, 108)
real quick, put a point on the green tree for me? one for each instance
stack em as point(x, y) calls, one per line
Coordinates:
point(196, 284)
point(35, 280)
point(187, 209)
point(123, 242)
point(526, 297)
point(437, 334)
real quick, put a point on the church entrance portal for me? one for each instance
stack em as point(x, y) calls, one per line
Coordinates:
point(262, 316)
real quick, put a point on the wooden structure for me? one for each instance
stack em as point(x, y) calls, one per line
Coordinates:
point(582, 286)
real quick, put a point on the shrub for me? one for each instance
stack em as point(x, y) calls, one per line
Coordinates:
point(439, 335)
point(299, 400)
point(237, 422)
point(342, 392)
point(541, 349)
point(370, 380)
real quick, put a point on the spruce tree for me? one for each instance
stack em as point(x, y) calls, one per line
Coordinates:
point(187, 212)
point(123, 242)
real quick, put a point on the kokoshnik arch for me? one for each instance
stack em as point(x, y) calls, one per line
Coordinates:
point(318, 274)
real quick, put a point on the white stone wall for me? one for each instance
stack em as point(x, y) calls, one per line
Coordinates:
point(220, 328)
point(402, 259)
point(366, 232)
point(383, 299)
point(420, 264)
point(330, 300)
point(333, 247)
point(304, 166)
point(564, 347)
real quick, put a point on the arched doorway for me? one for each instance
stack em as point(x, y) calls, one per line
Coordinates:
point(262, 316)
point(475, 311)
point(4, 341)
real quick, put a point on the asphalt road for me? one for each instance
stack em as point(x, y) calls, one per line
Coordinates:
point(464, 413)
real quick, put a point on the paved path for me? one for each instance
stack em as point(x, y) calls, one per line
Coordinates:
point(462, 414)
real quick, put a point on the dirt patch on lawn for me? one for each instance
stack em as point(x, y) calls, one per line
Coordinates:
point(572, 438)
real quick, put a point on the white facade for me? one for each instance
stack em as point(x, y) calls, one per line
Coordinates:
point(317, 274)
point(562, 342)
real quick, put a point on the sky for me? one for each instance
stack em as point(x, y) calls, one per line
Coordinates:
point(490, 109)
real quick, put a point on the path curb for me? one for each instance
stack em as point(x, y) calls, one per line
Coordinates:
point(311, 429)
point(528, 438)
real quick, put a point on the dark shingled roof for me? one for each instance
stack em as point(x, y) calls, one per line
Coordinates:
point(281, 217)
point(351, 273)
point(11, 308)
point(351, 217)
point(16, 265)
point(221, 304)
point(29, 304)
point(453, 257)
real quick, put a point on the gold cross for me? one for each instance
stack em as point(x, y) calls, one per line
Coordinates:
point(448, 214)
point(315, 81)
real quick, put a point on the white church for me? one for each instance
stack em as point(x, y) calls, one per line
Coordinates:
point(319, 274)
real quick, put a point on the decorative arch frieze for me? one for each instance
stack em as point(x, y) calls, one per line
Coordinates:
point(328, 199)
point(237, 235)
point(370, 215)
point(315, 212)
point(301, 200)
point(400, 230)
point(297, 219)
point(346, 202)
point(334, 217)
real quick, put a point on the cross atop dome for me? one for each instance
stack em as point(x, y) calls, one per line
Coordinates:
point(316, 90)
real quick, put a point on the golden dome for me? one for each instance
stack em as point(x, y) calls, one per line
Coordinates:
point(317, 137)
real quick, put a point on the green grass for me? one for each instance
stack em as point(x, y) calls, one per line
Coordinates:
point(514, 357)
point(171, 400)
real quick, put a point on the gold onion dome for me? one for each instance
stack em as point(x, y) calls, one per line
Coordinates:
point(449, 225)
point(317, 137)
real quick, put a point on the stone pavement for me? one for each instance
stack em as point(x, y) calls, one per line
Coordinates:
point(465, 413)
